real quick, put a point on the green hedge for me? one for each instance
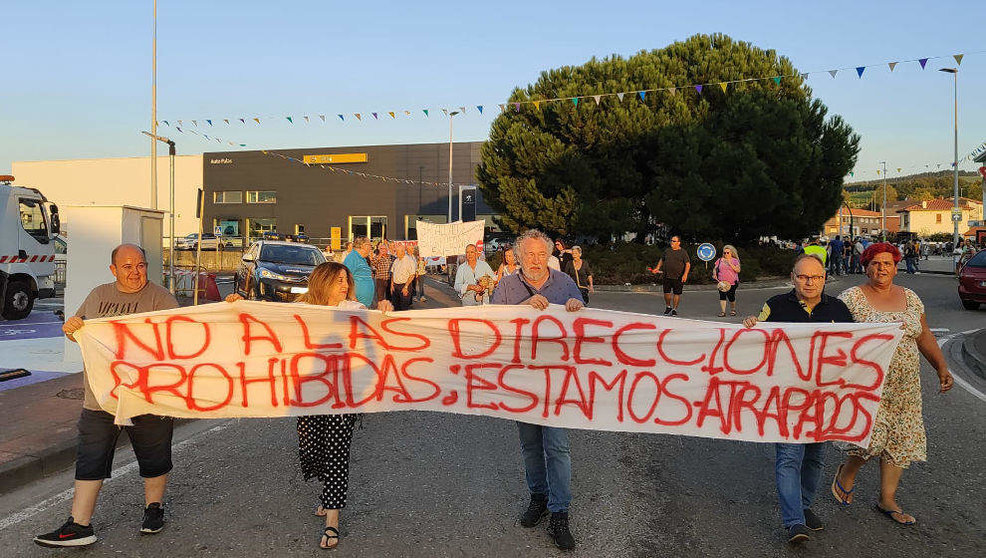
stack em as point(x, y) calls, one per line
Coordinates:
point(626, 262)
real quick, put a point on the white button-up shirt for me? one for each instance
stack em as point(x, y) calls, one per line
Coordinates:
point(403, 269)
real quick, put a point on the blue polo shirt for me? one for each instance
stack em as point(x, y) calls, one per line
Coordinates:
point(362, 277)
point(514, 289)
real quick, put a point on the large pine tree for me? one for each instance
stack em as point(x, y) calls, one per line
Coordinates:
point(760, 158)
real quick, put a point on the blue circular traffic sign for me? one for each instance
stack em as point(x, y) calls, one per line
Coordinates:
point(706, 252)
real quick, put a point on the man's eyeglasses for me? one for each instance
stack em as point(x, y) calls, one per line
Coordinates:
point(809, 278)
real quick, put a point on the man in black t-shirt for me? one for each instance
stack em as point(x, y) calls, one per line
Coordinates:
point(798, 467)
point(676, 265)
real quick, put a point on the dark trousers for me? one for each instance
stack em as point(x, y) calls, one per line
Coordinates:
point(382, 289)
point(402, 301)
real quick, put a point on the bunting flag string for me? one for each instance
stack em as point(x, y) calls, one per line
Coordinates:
point(574, 100)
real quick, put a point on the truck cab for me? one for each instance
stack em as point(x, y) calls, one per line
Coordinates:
point(28, 224)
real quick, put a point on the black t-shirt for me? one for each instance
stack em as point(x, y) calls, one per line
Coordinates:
point(674, 263)
point(787, 308)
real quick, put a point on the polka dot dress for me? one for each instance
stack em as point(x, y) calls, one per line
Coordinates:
point(323, 447)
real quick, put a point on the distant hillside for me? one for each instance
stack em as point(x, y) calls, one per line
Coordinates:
point(923, 186)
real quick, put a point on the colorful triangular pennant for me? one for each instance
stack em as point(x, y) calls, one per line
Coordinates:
point(537, 104)
point(597, 98)
point(341, 117)
point(209, 121)
point(165, 122)
point(516, 107)
point(480, 108)
point(391, 115)
point(291, 120)
point(306, 119)
point(575, 101)
point(620, 96)
point(503, 108)
point(833, 73)
point(777, 80)
point(699, 89)
point(425, 111)
point(892, 65)
point(196, 123)
point(859, 70)
point(723, 86)
point(358, 117)
point(226, 120)
point(374, 115)
point(958, 58)
point(242, 121)
point(257, 120)
point(923, 61)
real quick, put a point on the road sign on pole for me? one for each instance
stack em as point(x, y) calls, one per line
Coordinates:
point(706, 252)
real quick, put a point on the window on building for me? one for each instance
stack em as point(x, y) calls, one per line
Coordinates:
point(374, 227)
point(261, 196)
point(257, 227)
point(33, 220)
point(227, 197)
point(938, 218)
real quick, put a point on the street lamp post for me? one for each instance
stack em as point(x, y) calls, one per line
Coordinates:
point(153, 133)
point(956, 213)
point(171, 208)
point(883, 206)
point(450, 115)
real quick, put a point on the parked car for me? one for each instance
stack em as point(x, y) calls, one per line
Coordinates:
point(277, 271)
point(209, 242)
point(972, 282)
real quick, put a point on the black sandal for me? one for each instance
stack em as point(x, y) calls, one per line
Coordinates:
point(328, 537)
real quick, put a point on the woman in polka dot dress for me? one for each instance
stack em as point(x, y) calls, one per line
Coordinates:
point(324, 440)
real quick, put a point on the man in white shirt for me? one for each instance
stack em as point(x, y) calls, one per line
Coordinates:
point(469, 279)
point(402, 273)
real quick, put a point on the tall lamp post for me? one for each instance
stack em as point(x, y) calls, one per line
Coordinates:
point(153, 134)
point(956, 212)
point(171, 208)
point(883, 206)
point(450, 115)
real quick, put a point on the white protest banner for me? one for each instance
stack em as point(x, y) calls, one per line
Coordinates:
point(592, 369)
point(439, 239)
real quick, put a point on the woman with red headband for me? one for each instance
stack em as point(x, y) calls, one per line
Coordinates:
point(898, 437)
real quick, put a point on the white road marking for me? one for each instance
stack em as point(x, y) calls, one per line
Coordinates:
point(958, 379)
point(34, 324)
point(119, 472)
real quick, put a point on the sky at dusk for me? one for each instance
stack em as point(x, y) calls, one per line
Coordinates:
point(76, 75)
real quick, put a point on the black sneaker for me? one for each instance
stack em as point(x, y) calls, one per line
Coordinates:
point(812, 521)
point(536, 511)
point(798, 534)
point(70, 534)
point(667, 311)
point(674, 312)
point(559, 532)
point(153, 519)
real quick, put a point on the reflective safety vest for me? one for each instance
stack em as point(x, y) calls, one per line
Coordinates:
point(818, 251)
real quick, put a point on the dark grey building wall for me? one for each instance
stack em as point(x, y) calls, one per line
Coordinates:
point(320, 199)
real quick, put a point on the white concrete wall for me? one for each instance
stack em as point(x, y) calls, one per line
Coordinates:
point(123, 181)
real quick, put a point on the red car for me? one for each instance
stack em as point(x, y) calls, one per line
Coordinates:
point(972, 282)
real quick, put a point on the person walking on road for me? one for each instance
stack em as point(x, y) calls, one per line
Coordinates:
point(402, 273)
point(676, 265)
point(324, 441)
point(547, 454)
point(898, 436)
point(578, 269)
point(474, 279)
point(835, 256)
point(419, 277)
point(509, 265)
point(150, 435)
point(798, 467)
point(726, 273)
point(381, 263)
point(358, 264)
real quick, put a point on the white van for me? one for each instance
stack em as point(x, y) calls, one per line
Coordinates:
point(27, 253)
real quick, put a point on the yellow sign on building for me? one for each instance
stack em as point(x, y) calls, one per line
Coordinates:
point(335, 158)
point(336, 234)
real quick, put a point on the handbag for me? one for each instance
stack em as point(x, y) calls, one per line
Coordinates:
point(723, 286)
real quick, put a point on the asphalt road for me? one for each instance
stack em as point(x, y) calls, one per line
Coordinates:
point(429, 484)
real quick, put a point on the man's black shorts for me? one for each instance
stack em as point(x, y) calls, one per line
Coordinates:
point(150, 437)
point(672, 285)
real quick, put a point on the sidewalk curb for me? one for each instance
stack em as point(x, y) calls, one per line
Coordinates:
point(26, 469)
point(974, 352)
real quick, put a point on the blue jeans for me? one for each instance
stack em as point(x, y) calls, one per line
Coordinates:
point(548, 463)
point(798, 468)
point(910, 265)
